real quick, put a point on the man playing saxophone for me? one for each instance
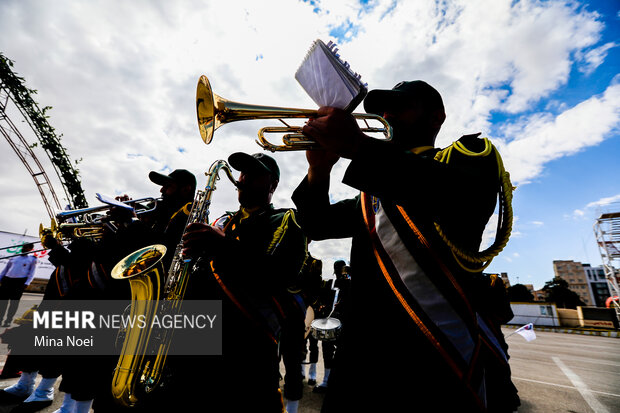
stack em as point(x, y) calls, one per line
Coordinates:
point(252, 255)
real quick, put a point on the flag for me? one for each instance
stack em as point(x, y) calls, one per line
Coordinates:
point(527, 332)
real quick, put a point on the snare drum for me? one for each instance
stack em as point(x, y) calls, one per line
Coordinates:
point(326, 329)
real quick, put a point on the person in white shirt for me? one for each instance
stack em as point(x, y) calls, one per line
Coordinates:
point(14, 279)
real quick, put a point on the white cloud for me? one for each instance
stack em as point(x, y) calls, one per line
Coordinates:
point(537, 139)
point(594, 58)
point(597, 207)
point(604, 201)
point(121, 77)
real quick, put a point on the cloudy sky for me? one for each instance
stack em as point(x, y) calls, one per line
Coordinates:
point(539, 78)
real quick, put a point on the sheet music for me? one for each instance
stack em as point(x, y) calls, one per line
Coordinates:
point(328, 80)
point(111, 201)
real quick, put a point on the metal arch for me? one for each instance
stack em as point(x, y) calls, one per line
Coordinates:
point(20, 95)
point(26, 155)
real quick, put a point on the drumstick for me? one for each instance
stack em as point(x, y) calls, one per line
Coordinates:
point(335, 301)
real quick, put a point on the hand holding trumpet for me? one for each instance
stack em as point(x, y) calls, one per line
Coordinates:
point(336, 131)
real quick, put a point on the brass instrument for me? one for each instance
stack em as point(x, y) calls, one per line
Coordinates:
point(70, 230)
point(213, 111)
point(138, 373)
point(144, 270)
point(90, 221)
point(93, 214)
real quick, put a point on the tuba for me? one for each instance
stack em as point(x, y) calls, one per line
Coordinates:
point(143, 356)
point(144, 269)
point(214, 111)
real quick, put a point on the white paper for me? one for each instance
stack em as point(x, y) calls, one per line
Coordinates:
point(111, 201)
point(328, 80)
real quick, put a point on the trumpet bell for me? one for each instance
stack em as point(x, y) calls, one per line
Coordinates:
point(213, 111)
point(205, 109)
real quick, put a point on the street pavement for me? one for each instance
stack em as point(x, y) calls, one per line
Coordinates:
point(556, 372)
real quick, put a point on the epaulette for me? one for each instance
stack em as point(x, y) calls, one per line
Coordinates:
point(472, 146)
point(185, 210)
point(289, 215)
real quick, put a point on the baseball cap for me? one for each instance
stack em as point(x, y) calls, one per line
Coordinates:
point(339, 265)
point(379, 101)
point(178, 176)
point(258, 162)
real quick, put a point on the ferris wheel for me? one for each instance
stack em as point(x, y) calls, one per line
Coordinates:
point(16, 102)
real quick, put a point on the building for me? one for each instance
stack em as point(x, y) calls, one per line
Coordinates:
point(574, 274)
point(540, 295)
point(587, 281)
point(599, 288)
point(539, 314)
point(504, 277)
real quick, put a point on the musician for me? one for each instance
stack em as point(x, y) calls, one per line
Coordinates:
point(164, 225)
point(170, 216)
point(302, 293)
point(15, 277)
point(312, 281)
point(76, 277)
point(252, 255)
point(325, 304)
point(419, 207)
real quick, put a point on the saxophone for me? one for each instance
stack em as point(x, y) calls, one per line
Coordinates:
point(139, 369)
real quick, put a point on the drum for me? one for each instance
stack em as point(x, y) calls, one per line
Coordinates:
point(326, 329)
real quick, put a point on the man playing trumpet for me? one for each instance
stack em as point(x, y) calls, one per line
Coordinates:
point(417, 227)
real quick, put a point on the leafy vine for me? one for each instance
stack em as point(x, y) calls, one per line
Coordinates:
point(49, 141)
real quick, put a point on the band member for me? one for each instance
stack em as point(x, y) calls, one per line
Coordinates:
point(252, 255)
point(75, 277)
point(164, 225)
point(417, 227)
point(302, 294)
point(313, 286)
point(15, 277)
point(170, 216)
point(327, 302)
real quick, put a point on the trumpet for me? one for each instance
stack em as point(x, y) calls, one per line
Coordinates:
point(68, 231)
point(64, 233)
point(213, 111)
point(93, 214)
point(91, 221)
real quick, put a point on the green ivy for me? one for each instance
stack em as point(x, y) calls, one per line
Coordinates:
point(49, 141)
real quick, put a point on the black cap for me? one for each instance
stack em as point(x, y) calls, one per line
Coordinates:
point(339, 265)
point(402, 95)
point(259, 162)
point(178, 176)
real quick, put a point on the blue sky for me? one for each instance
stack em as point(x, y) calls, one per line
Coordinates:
point(539, 78)
point(553, 231)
